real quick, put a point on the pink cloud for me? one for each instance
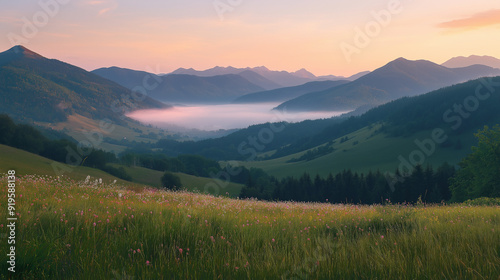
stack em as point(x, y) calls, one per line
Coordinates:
point(108, 4)
point(103, 11)
point(478, 20)
point(96, 2)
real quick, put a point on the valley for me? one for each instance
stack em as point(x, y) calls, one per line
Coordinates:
point(249, 173)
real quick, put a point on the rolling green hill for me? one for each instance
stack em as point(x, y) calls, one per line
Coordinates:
point(367, 149)
point(192, 183)
point(27, 163)
point(409, 115)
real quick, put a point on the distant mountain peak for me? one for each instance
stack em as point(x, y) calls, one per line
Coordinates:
point(396, 63)
point(304, 74)
point(464, 61)
point(406, 64)
point(400, 60)
point(474, 56)
point(262, 68)
point(24, 51)
point(398, 78)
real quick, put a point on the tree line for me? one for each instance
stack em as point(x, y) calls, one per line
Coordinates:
point(478, 176)
point(28, 138)
point(425, 184)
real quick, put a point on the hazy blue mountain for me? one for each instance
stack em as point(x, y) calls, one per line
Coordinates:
point(284, 78)
point(215, 89)
point(287, 93)
point(185, 88)
point(125, 77)
point(259, 80)
point(33, 87)
point(303, 73)
point(216, 71)
point(280, 78)
point(246, 73)
point(398, 78)
point(336, 78)
point(461, 61)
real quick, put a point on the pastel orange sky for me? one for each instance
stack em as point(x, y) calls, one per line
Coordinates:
point(161, 36)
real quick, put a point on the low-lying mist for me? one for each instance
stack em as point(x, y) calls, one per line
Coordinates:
point(227, 116)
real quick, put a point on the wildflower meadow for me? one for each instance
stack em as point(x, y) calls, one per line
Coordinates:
point(98, 230)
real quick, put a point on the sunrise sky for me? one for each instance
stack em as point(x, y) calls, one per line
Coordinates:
point(161, 36)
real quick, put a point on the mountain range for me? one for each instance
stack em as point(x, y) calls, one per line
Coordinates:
point(462, 61)
point(184, 88)
point(307, 92)
point(279, 78)
point(36, 88)
point(225, 84)
point(287, 93)
point(336, 78)
point(396, 79)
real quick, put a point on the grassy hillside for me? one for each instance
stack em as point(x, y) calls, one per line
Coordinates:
point(365, 150)
point(114, 139)
point(191, 183)
point(69, 231)
point(26, 163)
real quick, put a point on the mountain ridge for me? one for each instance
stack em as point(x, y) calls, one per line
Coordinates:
point(398, 78)
point(462, 61)
point(42, 89)
point(185, 88)
point(287, 93)
point(280, 78)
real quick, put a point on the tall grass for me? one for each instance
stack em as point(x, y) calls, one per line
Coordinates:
point(71, 230)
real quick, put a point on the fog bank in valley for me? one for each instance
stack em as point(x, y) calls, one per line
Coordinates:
point(228, 116)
